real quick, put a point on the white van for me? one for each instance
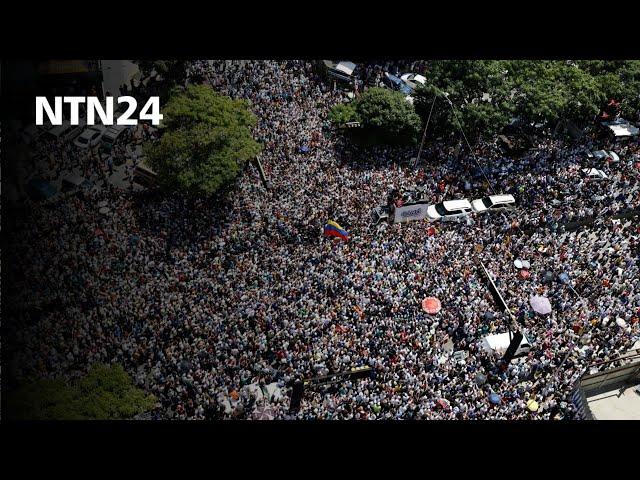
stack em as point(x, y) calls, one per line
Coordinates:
point(449, 209)
point(493, 202)
point(499, 343)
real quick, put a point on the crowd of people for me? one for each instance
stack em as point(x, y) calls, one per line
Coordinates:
point(200, 299)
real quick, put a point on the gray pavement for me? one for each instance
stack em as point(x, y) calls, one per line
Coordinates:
point(115, 73)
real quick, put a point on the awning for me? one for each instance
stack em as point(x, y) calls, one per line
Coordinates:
point(346, 67)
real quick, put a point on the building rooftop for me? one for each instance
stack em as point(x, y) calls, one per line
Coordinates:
point(613, 394)
point(618, 404)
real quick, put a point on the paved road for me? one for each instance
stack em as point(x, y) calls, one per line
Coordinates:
point(115, 73)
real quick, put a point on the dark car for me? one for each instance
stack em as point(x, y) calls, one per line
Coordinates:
point(395, 83)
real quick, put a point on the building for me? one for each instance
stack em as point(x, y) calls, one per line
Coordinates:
point(23, 80)
point(610, 392)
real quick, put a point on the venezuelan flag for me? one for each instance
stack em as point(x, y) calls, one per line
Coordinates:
point(332, 229)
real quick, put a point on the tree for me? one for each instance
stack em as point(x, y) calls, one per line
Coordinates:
point(206, 141)
point(342, 113)
point(486, 94)
point(619, 80)
point(549, 91)
point(105, 393)
point(478, 89)
point(172, 72)
point(385, 117)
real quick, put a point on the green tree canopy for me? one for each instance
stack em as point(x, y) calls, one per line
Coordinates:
point(206, 141)
point(385, 116)
point(487, 94)
point(342, 113)
point(105, 393)
point(477, 88)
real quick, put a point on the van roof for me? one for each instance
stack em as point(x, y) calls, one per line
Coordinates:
point(507, 198)
point(456, 204)
point(501, 341)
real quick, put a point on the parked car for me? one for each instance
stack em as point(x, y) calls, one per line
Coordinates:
point(90, 137)
point(412, 80)
point(594, 174)
point(500, 342)
point(449, 209)
point(395, 83)
point(604, 154)
point(493, 202)
point(75, 183)
point(45, 127)
point(341, 70)
point(111, 134)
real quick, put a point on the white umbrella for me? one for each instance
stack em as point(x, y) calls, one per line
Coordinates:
point(518, 264)
point(620, 322)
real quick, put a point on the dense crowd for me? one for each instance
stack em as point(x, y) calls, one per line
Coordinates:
point(200, 299)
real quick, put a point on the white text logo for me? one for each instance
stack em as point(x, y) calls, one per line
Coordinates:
point(95, 108)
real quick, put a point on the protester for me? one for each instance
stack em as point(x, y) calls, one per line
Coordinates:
point(200, 298)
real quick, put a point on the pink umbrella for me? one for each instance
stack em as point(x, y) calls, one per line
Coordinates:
point(431, 305)
point(524, 274)
point(540, 305)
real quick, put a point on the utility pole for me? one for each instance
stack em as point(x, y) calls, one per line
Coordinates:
point(424, 134)
point(498, 297)
point(263, 177)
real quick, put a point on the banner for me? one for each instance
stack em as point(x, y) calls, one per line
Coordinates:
point(406, 213)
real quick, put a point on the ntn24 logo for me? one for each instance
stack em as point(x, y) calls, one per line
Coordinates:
point(150, 111)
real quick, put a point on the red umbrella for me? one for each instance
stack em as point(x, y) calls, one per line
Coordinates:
point(431, 305)
point(524, 274)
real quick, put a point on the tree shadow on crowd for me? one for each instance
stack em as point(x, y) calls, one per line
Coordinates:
point(181, 220)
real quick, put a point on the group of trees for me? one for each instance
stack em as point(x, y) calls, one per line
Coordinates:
point(105, 393)
point(207, 137)
point(487, 94)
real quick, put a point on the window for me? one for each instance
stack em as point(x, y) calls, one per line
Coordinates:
point(441, 210)
point(487, 202)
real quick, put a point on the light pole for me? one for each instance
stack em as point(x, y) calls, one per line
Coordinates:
point(424, 134)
